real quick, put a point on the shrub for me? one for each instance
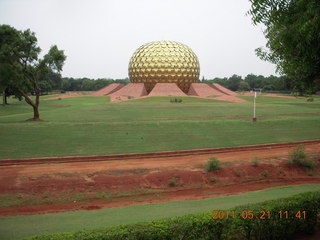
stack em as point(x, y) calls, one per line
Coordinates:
point(213, 179)
point(266, 173)
point(175, 100)
point(307, 164)
point(299, 156)
point(237, 172)
point(310, 99)
point(289, 162)
point(202, 226)
point(280, 169)
point(298, 153)
point(213, 164)
point(256, 161)
point(172, 182)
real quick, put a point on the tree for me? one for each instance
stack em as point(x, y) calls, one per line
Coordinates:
point(233, 82)
point(243, 86)
point(21, 67)
point(293, 37)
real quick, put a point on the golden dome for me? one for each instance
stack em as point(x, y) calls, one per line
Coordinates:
point(164, 62)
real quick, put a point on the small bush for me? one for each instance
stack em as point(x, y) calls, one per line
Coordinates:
point(237, 172)
point(172, 182)
point(175, 100)
point(266, 173)
point(213, 164)
point(298, 154)
point(280, 169)
point(289, 162)
point(310, 99)
point(256, 161)
point(213, 179)
point(310, 174)
point(307, 164)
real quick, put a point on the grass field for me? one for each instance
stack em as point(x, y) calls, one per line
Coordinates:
point(24, 226)
point(94, 126)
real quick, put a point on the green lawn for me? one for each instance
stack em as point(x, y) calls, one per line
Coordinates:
point(24, 226)
point(94, 126)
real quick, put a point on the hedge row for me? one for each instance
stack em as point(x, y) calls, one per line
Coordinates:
point(238, 225)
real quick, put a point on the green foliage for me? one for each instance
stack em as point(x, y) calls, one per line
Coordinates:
point(176, 100)
point(213, 179)
point(213, 164)
point(299, 157)
point(88, 84)
point(292, 32)
point(203, 226)
point(256, 161)
point(266, 173)
point(289, 162)
point(172, 182)
point(280, 170)
point(298, 153)
point(237, 172)
point(268, 84)
point(23, 70)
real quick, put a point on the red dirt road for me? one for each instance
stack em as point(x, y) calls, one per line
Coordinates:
point(146, 180)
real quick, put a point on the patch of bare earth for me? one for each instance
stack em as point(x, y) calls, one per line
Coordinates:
point(42, 188)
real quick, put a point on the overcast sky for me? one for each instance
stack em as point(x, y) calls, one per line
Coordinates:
point(99, 36)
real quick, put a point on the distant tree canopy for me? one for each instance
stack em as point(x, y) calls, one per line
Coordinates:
point(87, 84)
point(293, 38)
point(251, 81)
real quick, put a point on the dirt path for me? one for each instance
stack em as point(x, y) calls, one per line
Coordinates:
point(236, 157)
point(13, 115)
point(167, 154)
point(146, 180)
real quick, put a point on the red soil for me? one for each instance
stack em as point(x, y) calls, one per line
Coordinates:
point(203, 90)
point(192, 182)
point(277, 95)
point(215, 91)
point(111, 88)
point(166, 89)
point(66, 95)
point(223, 89)
point(131, 90)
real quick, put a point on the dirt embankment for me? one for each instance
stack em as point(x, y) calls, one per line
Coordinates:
point(42, 188)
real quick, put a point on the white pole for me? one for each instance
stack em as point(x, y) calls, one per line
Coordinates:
point(254, 107)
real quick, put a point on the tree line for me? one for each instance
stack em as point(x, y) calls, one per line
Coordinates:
point(252, 81)
point(234, 83)
point(87, 84)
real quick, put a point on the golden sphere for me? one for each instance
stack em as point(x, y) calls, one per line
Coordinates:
point(164, 62)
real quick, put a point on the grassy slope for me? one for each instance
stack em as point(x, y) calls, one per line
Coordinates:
point(94, 126)
point(23, 226)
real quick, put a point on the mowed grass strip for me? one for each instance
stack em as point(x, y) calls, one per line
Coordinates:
point(52, 139)
point(94, 126)
point(24, 226)
point(93, 109)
